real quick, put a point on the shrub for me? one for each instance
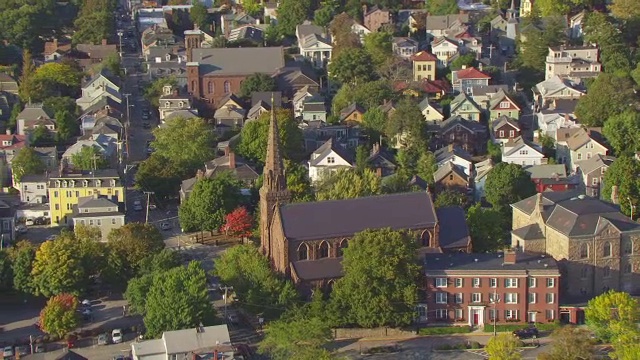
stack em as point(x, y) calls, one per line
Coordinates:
point(444, 330)
point(443, 347)
point(474, 345)
point(461, 346)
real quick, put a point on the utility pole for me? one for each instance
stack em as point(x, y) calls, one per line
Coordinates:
point(127, 124)
point(495, 302)
point(146, 218)
point(226, 296)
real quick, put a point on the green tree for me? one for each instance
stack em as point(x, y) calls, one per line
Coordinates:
point(57, 268)
point(150, 266)
point(623, 132)
point(407, 123)
point(153, 92)
point(41, 136)
point(292, 13)
point(298, 182)
point(134, 242)
point(253, 137)
point(160, 175)
point(26, 162)
point(27, 89)
point(6, 272)
point(495, 151)
point(374, 122)
point(326, 12)
point(342, 36)
point(58, 104)
point(570, 343)
point(369, 95)
point(113, 65)
point(379, 46)
point(625, 173)
point(612, 314)
point(448, 198)
point(347, 184)
point(463, 60)
point(426, 166)
point(22, 255)
point(59, 316)
point(297, 337)
point(209, 202)
point(178, 299)
point(352, 66)
point(187, 143)
point(625, 9)
point(67, 126)
point(362, 159)
point(248, 271)
point(552, 7)
point(609, 95)
point(256, 83)
point(13, 117)
point(379, 283)
point(533, 52)
point(488, 228)
point(56, 79)
point(137, 291)
point(93, 27)
point(504, 346)
point(199, 14)
point(442, 7)
point(89, 158)
point(507, 184)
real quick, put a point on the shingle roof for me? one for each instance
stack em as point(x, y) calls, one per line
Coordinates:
point(35, 111)
point(516, 144)
point(454, 232)
point(327, 268)
point(548, 200)
point(92, 202)
point(344, 218)
point(582, 217)
point(448, 168)
point(265, 96)
point(238, 61)
point(503, 120)
point(483, 168)
point(487, 262)
point(442, 22)
point(578, 139)
point(498, 97)
point(350, 109)
point(471, 73)
point(447, 124)
point(596, 162)
point(328, 147)
point(547, 171)
point(483, 90)
point(450, 151)
point(529, 232)
point(424, 56)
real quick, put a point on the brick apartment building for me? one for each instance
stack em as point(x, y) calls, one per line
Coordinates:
point(473, 289)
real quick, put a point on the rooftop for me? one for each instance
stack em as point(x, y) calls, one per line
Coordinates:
point(239, 61)
point(487, 262)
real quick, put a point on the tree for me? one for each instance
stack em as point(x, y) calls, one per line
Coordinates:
point(362, 159)
point(59, 316)
point(253, 137)
point(379, 283)
point(292, 13)
point(238, 223)
point(93, 27)
point(27, 89)
point(160, 175)
point(326, 12)
point(463, 60)
point(41, 136)
point(210, 201)
point(624, 173)
point(26, 162)
point(137, 291)
point(297, 337)
point(55, 79)
point(507, 184)
point(199, 15)
point(342, 36)
point(113, 65)
point(625, 9)
point(609, 95)
point(89, 158)
point(150, 266)
point(534, 50)
point(187, 143)
point(448, 198)
point(374, 122)
point(442, 7)
point(570, 343)
point(352, 66)
point(248, 271)
point(379, 46)
point(504, 346)
point(67, 126)
point(13, 117)
point(178, 299)
point(258, 82)
point(134, 242)
point(623, 132)
point(612, 314)
point(552, 7)
point(153, 92)
point(298, 182)
point(57, 268)
point(407, 124)
point(488, 228)
point(6, 273)
point(347, 184)
point(369, 95)
point(426, 166)
point(22, 255)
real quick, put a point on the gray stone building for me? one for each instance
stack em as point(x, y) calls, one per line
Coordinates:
point(99, 212)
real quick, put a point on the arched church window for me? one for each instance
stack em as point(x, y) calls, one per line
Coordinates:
point(343, 245)
point(323, 250)
point(303, 252)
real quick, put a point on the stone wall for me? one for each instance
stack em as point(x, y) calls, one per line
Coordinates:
point(382, 332)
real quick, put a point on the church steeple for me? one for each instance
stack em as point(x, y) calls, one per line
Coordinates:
point(273, 192)
point(511, 12)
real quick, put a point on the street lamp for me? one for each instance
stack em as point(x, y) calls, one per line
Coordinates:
point(631, 205)
point(120, 33)
point(495, 302)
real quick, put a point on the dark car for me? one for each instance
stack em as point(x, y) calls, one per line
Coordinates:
point(527, 333)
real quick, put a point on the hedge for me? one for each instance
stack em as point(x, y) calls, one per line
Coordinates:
point(444, 330)
point(513, 327)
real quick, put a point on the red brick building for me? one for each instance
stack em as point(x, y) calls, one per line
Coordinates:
point(473, 289)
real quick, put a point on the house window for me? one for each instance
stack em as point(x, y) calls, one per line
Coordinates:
point(579, 156)
point(181, 104)
point(511, 298)
point(476, 282)
point(532, 298)
point(584, 272)
point(331, 160)
point(551, 282)
point(167, 104)
point(113, 221)
point(493, 282)
point(628, 268)
point(550, 298)
point(524, 152)
point(594, 181)
point(584, 251)
point(504, 105)
point(441, 314)
point(628, 247)
point(55, 194)
point(91, 222)
point(210, 87)
point(98, 222)
point(550, 314)
point(450, 177)
point(452, 137)
point(493, 297)
point(57, 206)
point(607, 249)
point(323, 250)
point(441, 282)
point(227, 87)
point(492, 314)
point(511, 283)
point(476, 297)
point(532, 282)
point(459, 298)
point(511, 314)
point(441, 298)
point(606, 272)
point(459, 282)
point(303, 252)
point(459, 314)
point(512, 133)
point(343, 245)
point(588, 155)
point(501, 133)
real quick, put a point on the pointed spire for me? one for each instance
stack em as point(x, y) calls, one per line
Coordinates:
point(273, 167)
point(513, 5)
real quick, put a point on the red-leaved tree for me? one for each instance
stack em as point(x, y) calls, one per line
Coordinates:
point(59, 316)
point(238, 223)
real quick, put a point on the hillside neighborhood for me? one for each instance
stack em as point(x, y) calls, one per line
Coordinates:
point(251, 179)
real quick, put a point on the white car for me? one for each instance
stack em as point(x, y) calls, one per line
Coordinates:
point(28, 222)
point(116, 336)
point(8, 351)
point(137, 205)
point(21, 229)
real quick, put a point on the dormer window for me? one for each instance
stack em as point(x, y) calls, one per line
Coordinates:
point(168, 57)
point(57, 183)
point(113, 183)
point(98, 183)
point(6, 143)
point(72, 183)
point(181, 104)
point(167, 104)
point(64, 184)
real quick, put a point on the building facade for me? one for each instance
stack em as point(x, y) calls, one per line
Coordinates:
point(478, 289)
point(97, 211)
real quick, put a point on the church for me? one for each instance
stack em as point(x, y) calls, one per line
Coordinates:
point(305, 241)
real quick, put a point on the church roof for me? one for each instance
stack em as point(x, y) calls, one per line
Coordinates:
point(344, 218)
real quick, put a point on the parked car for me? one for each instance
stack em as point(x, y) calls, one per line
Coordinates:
point(146, 125)
point(152, 206)
point(526, 333)
point(29, 222)
point(116, 336)
point(233, 318)
point(41, 220)
point(103, 339)
point(22, 350)
point(137, 205)
point(86, 303)
point(7, 351)
point(21, 229)
point(39, 349)
point(165, 226)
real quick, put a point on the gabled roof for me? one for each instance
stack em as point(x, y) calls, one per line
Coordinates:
point(555, 84)
point(505, 120)
point(498, 98)
point(265, 97)
point(529, 232)
point(350, 109)
point(514, 145)
point(331, 147)
point(387, 106)
point(443, 39)
point(460, 99)
point(230, 97)
point(595, 163)
point(450, 123)
point(424, 56)
point(227, 112)
point(470, 73)
point(92, 202)
point(401, 41)
point(238, 61)
point(97, 51)
point(579, 138)
point(483, 168)
point(450, 151)
point(443, 22)
point(447, 169)
point(546, 171)
point(483, 90)
point(302, 93)
point(425, 103)
point(454, 232)
point(35, 111)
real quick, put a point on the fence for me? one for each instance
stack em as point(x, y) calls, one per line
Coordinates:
point(348, 333)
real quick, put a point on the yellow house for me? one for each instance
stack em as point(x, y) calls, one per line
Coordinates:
point(65, 189)
point(525, 7)
point(424, 66)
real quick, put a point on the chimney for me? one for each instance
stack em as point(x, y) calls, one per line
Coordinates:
point(9, 132)
point(614, 194)
point(232, 160)
point(376, 148)
point(379, 172)
point(509, 256)
point(227, 150)
point(450, 147)
point(539, 203)
point(104, 41)
point(55, 44)
point(464, 67)
point(480, 66)
point(199, 174)
point(364, 9)
point(566, 117)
